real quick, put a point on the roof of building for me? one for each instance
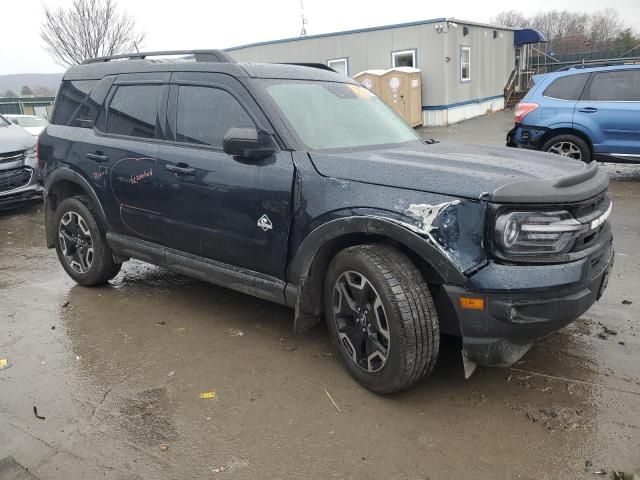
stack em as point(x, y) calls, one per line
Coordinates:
point(450, 20)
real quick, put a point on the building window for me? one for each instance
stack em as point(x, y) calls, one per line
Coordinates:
point(465, 64)
point(339, 65)
point(404, 58)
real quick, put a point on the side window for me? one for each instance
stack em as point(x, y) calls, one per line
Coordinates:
point(87, 113)
point(205, 114)
point(567, 88)
point(465, 64)
point(616, 85)
point(340, 65)
point(404, 58)
point(133, 110)
point(70, 99)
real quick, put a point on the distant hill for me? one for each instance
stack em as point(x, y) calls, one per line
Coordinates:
point(33, 80)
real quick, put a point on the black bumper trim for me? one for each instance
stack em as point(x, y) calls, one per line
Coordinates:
point(511, 321)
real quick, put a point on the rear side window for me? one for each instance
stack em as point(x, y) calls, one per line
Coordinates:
point(616, 85)
point(70, 100)
point(133, 110)
point(205, 114)
point(567, 88)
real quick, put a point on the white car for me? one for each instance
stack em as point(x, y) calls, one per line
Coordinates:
point(19, 168)
point(31, 123)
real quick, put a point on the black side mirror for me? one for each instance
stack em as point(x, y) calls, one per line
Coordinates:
point(248, 143)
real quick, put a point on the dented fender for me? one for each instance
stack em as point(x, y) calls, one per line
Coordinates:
point(305, 282)
point(404, 233)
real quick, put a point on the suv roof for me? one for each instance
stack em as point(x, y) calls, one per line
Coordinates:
point(216, 61)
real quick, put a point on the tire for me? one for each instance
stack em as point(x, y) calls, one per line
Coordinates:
point(81, 244)
point(568, 146)
point(407, 325)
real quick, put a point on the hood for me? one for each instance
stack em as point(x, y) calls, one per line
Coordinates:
point(501, 174)
point(14, 138)
point(35, 131)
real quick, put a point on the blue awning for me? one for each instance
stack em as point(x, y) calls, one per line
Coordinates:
point(527, 35)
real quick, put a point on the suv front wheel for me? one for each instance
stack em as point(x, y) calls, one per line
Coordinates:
point(81, 246)
point(381, 317)
point(568, 146)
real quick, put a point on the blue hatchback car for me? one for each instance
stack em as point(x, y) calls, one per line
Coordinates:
point(582, 113)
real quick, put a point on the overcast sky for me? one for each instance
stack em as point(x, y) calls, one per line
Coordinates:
point(191, 24)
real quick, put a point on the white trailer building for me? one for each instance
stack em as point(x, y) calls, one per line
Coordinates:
point(465, 65)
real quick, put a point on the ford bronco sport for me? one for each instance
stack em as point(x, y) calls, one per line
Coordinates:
point(299, 186)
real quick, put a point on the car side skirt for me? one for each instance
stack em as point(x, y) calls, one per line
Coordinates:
point(617, 157)
point(239, 279)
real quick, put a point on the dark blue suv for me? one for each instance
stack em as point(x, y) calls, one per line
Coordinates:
point(582, 113)
point(299, 186)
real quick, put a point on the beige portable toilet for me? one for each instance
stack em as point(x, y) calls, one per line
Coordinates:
point(370, 79)
point(401, 88)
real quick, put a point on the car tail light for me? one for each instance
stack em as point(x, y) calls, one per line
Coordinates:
point(524, 109)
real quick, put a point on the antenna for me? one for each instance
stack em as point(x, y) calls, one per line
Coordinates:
point(303, 31)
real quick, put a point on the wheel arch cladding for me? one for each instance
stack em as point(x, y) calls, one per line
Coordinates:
point(309, 265)
point(65, 183)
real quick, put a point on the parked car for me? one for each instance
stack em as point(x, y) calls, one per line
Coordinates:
point(19, 169)
point(299, 186)
point(31, 123)
point(582, 113)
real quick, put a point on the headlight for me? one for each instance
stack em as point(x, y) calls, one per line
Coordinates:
point(537, 233)
point(30, 153)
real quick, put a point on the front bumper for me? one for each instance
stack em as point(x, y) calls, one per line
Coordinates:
point(524, 303)
point(526, 136)
point(19, 185)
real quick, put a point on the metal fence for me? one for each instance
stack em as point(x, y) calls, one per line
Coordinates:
point(40, 106)
point(552, 63)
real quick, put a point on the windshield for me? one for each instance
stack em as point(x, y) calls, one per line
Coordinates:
point(328, 115)
point(29, 121)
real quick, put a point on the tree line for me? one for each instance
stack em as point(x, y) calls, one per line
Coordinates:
point(577, 32)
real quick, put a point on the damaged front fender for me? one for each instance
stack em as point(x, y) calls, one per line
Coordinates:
point(306, 270)
point(456, 228)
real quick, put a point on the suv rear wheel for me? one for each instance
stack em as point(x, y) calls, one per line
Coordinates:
point(381, 317)
point(81, 246)
point(568, 146)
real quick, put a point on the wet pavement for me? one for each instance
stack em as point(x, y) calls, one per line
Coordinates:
point(116, 374)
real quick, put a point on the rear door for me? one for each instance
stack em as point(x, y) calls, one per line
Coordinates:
point(126, 153)
point(217, 201)
point(610, 110)
point(560, 98)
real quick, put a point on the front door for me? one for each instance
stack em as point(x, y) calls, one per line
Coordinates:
point(227, 209)
point(610, 110)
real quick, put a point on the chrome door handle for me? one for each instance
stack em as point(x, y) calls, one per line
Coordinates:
point(186, 170)
point(96, 157)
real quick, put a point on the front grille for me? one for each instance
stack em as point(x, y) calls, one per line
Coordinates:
point(11, 156)
point(16, 178)
point(586, 212)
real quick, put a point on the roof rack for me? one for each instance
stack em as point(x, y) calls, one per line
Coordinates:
point(602, 63)
point(199, 56)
